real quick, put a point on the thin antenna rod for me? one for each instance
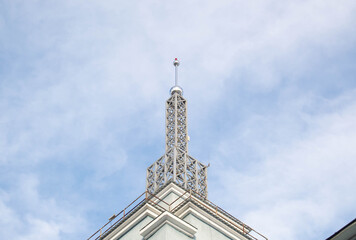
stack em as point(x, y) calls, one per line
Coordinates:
point(176, 64)
point(176, 76)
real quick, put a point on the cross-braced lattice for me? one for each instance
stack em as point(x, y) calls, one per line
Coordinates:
point(176, 165)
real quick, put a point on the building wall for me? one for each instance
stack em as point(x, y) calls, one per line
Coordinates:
point(167, 232)
point(168, 226)
point(205, 231)
point(169, 198)
point(133, 233)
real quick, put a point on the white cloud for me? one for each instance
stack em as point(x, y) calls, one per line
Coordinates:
point(27, 214)
point(265, 39)
point(305, 182)
point(41, 229)
point(88, 80)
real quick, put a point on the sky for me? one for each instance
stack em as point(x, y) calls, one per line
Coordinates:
point(271, 93)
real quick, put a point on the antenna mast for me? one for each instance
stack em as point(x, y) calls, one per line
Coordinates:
point(176, 64)
point(176, 165)
point(176, 88)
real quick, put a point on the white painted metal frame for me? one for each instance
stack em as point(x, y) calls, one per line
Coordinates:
point(176, 165)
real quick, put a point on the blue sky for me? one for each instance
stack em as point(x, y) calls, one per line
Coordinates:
point(271, 93)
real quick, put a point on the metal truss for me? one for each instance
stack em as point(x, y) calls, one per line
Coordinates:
point(176, 165)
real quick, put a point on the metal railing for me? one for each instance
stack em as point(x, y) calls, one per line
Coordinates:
point(147, 197)
point(244, 228)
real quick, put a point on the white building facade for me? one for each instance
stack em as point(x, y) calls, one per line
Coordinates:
point(175, 205)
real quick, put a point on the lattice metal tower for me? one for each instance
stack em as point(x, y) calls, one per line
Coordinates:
point(176, 165)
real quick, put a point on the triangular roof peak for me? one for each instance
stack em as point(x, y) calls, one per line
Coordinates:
point(174, 202)
point(168, 218)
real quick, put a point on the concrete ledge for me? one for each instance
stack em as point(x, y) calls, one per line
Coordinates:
point(172, 220)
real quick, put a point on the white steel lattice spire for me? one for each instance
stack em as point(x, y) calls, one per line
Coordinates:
point(176, 165)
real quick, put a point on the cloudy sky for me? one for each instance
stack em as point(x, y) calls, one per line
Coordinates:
point(271, 90)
